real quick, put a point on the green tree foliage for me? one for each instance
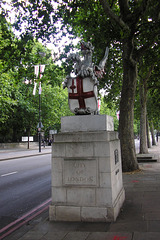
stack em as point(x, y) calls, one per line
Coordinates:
point(19, 108)
point(7, 80)
point(111, 111)
point(130, 23)
point(153, 97)
point(130, 27)
point(148, 82)
point(54, 106)
point(134, 27)
point(153, 85)
point(7, 103)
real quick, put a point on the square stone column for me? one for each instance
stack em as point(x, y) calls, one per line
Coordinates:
point(86, 171)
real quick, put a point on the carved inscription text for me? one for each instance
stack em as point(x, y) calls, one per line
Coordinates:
point(80, 172)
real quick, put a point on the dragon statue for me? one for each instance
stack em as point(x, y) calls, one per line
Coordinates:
point(82, 88)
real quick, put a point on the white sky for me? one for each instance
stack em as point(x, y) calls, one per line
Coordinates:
point(60, 44)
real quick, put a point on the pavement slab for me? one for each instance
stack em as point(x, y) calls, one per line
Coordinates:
point(146, 236)
point(110, 236)
point(55, 236)
point(153, 226)
point(129, 226)
point(76, 236)
point(152, 216)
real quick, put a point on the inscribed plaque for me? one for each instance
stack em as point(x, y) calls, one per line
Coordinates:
point(80, 172)
point(116, 156)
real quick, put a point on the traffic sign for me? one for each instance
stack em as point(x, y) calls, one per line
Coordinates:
point(52, 132)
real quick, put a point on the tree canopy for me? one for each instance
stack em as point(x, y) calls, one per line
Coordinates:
point(19, 108)
point(130, 28)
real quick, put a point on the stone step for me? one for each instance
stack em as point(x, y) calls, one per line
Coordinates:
point(146, 158)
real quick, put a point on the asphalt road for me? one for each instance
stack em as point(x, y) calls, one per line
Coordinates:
point(24, 184)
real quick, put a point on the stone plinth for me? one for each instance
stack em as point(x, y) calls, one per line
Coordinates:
point(87, 123)
point(86, 175)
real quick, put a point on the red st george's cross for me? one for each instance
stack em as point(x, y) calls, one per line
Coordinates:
point(80, 95)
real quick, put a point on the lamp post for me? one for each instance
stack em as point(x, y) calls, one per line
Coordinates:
point(39, 129)
point(40, 125)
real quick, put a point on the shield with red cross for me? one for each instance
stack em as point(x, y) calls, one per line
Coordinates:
point(82, 95)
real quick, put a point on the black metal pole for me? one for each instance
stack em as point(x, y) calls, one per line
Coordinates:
point(39, 122)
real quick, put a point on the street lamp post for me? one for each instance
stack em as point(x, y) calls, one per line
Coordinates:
point(42, 54)
point(39, 122)
point(40, 125)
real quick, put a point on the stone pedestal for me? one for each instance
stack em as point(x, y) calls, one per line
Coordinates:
point(86, 171)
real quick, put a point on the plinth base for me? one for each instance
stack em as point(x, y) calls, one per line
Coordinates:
point(86, 177)
point(86, 214)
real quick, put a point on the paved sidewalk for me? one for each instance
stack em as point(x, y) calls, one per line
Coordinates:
point(139, 218)
point(7, 154)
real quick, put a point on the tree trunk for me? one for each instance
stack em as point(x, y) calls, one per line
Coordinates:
point(152, 133)
point(148, 135)
point(129, 160)
point(143, 131)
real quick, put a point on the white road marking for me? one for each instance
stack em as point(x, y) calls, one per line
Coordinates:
point(7, 174)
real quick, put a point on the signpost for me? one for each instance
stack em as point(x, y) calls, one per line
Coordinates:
point(51, 132)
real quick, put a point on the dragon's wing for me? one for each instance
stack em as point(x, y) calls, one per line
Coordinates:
point(103, 61)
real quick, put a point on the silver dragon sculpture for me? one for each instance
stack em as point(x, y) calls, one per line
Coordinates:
point(82, 89)
point(84, 67)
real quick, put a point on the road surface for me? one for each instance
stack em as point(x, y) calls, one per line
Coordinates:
point(24, 184)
